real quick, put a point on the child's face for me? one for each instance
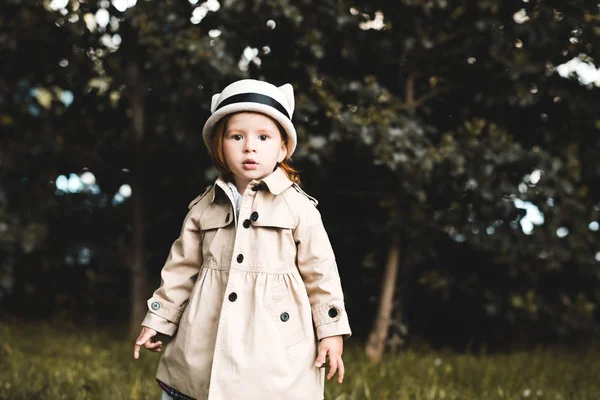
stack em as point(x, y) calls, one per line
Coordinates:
point(252, 146)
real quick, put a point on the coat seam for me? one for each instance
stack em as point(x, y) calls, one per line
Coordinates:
point(295, 216)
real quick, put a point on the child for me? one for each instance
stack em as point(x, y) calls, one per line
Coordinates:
point(251, 285)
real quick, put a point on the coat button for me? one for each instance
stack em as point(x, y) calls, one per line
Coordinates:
point(232, 296)
point(155, 305)
point(227, 217)
point(333, 312)
point(284, 316)
point(246, 223)
point(240, 258)
point(254, 216)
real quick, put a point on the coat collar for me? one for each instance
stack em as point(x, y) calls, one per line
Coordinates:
point(276, 183)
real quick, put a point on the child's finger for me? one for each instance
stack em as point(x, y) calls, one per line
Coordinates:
point(341, 370)
point(156, 347)
point(136, 351)
point(321, 357)
point(333, 362)
point(151, 345)
point(144, 337)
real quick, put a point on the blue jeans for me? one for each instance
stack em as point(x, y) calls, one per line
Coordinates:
point(165, 396)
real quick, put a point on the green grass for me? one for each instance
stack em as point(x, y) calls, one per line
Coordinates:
point(39, 361)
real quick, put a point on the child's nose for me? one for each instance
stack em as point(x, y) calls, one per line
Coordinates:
point(250, 145)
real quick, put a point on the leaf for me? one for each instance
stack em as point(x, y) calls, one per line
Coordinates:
point(43, 97)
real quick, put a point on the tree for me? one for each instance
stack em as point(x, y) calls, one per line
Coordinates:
point(451, 118)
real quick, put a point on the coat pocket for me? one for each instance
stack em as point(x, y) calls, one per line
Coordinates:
point(289, 318)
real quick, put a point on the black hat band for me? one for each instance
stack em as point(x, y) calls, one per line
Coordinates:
point(254, 98)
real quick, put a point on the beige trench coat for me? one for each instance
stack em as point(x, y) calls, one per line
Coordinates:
point(246, 306)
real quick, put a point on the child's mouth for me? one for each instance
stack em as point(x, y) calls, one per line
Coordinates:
point(250, 164)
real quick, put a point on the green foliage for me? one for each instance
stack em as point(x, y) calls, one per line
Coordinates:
point(43, 362)
point(49, 361)
point(445, 111)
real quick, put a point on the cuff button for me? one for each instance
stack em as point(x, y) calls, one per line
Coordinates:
point(333, 312)
point(155, 305)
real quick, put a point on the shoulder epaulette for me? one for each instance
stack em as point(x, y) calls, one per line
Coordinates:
point(197, 199)
point(309, 197)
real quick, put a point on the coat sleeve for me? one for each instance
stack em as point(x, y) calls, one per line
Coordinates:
point(317, 265)
point(178, 276)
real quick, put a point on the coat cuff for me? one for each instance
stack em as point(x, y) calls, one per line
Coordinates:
point(159, 324)
point(165, 309)
point(331, 320)
point(163, 316)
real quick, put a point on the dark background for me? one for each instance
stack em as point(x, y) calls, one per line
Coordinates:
point(445, 124)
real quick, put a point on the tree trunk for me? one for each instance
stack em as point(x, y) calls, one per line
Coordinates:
point(139, 278)
point(377, 337)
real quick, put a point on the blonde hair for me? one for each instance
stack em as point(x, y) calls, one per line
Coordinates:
point(218, 154)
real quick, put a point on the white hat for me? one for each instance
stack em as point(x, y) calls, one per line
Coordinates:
point(254, 96)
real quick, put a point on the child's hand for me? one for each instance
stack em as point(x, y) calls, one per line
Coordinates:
point(144, 339)
point(334, 347)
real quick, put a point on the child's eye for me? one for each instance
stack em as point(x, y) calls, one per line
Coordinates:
point(263, 137)
point(236, 137)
